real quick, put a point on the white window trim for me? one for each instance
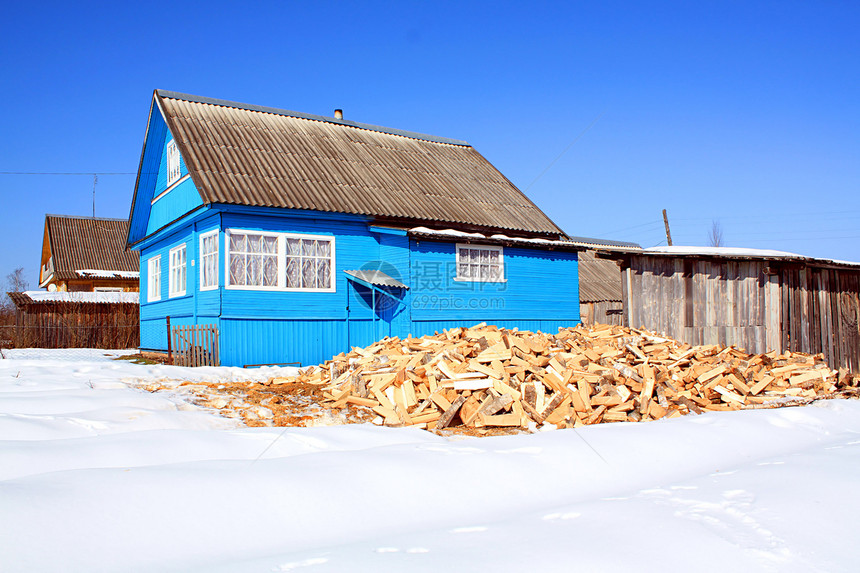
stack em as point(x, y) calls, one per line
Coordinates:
point(173, 155)
point(150, 297)
point(496, 248)
point(171, 288)
point(282, 261)
point(206, 235)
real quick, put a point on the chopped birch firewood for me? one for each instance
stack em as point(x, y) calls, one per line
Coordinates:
point(490, 377)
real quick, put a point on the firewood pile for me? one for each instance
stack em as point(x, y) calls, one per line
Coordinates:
point(486, 377)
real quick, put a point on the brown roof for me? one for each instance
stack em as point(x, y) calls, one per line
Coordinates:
point(599, 279)
point(79, 243)
point(249, 155)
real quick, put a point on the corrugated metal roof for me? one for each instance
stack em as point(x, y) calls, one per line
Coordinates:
point(592, 243)
point(376, 278)
point(599, 279)
point(88, 243)
point(249, 155)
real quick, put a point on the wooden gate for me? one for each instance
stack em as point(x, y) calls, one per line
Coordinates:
point(195, 345)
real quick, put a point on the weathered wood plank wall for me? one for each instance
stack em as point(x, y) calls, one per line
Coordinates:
point(601, 312)
point(756, 305)
point(77, 325)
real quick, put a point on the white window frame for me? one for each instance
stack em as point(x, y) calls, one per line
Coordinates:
point(176, 270)
point(204, 256)
point(153, 279)
point(494, 248)
point(174, 171)
point(282, 261)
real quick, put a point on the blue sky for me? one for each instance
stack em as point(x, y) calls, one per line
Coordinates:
point(605, 113)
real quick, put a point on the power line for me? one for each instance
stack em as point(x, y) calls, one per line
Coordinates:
point(803, 214)
point(625, 229)
point(577, 138)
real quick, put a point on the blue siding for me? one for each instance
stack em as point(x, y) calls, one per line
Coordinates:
point(540, 285)
point(150, 161)
point(258, 341)
point(427, 327)
point(180, 200)
point(394, 252)
point(153, 333)
point(145, 216)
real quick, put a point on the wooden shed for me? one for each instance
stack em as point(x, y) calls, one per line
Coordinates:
point(600, 297)
point(757, 300)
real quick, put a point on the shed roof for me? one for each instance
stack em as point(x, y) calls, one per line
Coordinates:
point(23, 299)
point(599, 279)
point(250, 155)
point(88, 243)
point(741, 254)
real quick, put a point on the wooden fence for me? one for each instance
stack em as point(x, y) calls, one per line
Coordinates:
point(195, 345)
point(757, 305)
point(73, 324)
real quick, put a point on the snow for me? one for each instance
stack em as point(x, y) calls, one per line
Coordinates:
point(446, 232)
point(462, 234)
point(97, 474)
point(595, 243)
point(735, 252)
point(64, 296)
point(106, 274)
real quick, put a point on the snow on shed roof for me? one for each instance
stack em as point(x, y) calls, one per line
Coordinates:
point(739, 252)
point(64, 296)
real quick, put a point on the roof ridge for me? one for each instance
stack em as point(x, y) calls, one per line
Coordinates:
point(309, 116)
point(85, 217)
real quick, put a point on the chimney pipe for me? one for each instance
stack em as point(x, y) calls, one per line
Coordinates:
point(338, 114)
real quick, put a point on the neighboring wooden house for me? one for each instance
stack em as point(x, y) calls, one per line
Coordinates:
point(600, 299)
point(87, 254)
point(300, 236)
point(757, 300)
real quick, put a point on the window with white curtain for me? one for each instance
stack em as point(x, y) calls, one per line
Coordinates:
point(308, 263)
point(153, 279)
point(480, 263)
point(280, 261)
point(209, 260)
point(173, 171)
point(176, 277)
point(253, 260)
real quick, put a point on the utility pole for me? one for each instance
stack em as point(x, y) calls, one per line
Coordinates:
point(666, 222)
point(96, 180)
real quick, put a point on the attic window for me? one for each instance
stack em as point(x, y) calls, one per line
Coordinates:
point(172, 163)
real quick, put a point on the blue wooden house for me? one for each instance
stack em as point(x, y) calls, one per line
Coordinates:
point(300, 236)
